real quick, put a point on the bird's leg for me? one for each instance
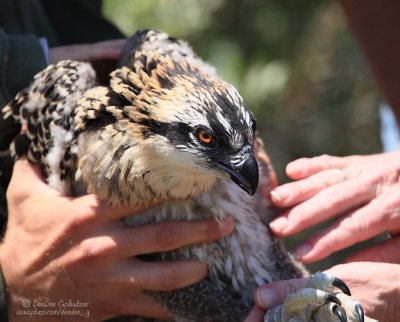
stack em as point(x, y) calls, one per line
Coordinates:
point(318, 302)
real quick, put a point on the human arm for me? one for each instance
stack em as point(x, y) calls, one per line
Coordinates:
point(61, 248)
point(376, 26)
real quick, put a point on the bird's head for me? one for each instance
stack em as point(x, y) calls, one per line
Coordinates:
point(187, 129)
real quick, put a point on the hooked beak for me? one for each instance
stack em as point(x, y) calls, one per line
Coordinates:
point(244, 173)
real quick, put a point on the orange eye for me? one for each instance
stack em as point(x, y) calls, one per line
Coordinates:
point(205, 137)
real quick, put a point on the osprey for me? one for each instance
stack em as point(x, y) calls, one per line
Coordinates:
point(166, 126)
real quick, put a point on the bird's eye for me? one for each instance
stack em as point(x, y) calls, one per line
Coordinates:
point(205, 137)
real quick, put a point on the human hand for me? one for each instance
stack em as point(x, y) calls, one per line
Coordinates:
point(59, 248)
point(372, 284)
point(367, 200)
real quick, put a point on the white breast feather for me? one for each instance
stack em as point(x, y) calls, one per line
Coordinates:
point(241, 256)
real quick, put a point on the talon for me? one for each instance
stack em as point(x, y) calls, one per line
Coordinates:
point(341, 285)
point(339, 313)
point(332, 298)
point(360, 312)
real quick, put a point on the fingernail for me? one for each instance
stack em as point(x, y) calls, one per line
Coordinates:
point(292, 167)
point(226, 225)
point(266, 297)
point(279, 196)
point(302, 250)
point(279, 224)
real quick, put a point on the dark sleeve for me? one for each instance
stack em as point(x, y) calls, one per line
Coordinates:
point(88, 25)
point(21, 57)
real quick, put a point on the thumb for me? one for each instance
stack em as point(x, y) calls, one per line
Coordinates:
point(270, 295)
point(27, 179)
point(387, 252)
point(255, 315)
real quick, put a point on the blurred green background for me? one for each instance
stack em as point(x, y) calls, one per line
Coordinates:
point(295, 63)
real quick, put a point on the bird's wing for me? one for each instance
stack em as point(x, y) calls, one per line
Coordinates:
point(45, 111)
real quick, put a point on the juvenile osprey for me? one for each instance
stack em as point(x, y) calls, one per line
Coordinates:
point(167, 126)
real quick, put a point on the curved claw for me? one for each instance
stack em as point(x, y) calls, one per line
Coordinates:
point(360, 312)
point(332, 298)
point(341, 285)
point(339, 313)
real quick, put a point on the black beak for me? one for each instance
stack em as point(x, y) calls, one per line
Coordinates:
point(244, 174)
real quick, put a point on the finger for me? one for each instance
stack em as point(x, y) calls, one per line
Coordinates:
point(26, 171)
point(305, 167)
point(270, 295)
point(268, 177)
point(160, 276)
point(386, 252)
point(88, 52)
point(293, 193)
point(94, 208)
point(255, 315)
point(326, 204)
point(376, 217)
point(32, 179)
point(110, 49)
point(141, 304)
point(166, 236)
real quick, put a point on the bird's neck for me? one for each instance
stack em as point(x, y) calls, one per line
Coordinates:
point(168, 182)
point(138, 174)
point(156, 174)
